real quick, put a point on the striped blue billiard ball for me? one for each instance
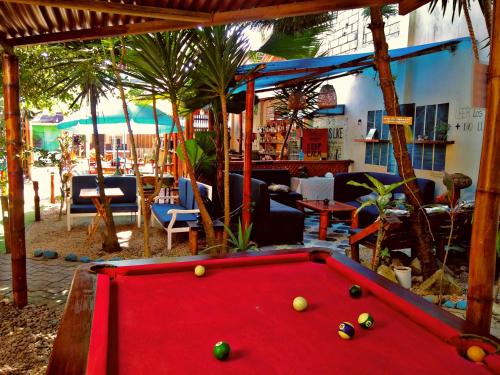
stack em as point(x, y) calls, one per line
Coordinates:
point(365, 320)
point(346, 330)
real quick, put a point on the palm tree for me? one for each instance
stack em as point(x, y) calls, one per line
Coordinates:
point(145, 205)
point(90, 78)
point(222, 49)
point(418, 219)
point(162, 62)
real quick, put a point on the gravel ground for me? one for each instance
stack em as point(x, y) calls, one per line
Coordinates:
point(51, 234)
point(26, 338)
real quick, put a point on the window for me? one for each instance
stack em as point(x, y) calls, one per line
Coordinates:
point(423, 156)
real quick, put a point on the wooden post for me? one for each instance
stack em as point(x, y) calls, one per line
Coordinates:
point(175, 159)
point(10, 65)
point(211, 121)
point(52, 189)
point(240, 127)
point(37, 201)
point(486, 212)
point(190, 126)
point(5, 221)
point(247, 161)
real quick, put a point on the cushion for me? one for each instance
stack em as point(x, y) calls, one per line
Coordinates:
point(160, 211)
point(399, 197)
point(128, 186)
point(367, 197)
point(82, 182)
point(279, 188)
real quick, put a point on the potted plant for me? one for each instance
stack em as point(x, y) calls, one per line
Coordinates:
point(381, 199)
point(442, 131)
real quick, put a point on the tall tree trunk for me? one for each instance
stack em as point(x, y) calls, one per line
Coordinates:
point(418, 218)
point(225, 131)
point(219, 150)
point(289, 130)
point(147, 249)
point(465, 6)
point(110, 243)
point(205, 216)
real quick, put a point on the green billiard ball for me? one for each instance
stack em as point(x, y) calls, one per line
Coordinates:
point(365, 320)
point(355, 291)
point(221, 350)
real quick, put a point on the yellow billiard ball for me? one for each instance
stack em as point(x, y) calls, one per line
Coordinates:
point(199, 270)
point(299, 303)
point(476, 353)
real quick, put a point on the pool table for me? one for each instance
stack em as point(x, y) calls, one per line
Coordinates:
point(156, 317)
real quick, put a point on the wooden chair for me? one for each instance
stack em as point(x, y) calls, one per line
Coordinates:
point(398, 234)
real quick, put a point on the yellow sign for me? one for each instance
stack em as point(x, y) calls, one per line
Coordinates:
point(397, 120)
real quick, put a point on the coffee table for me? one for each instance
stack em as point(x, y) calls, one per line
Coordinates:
point(93, 194)
point(326, 210)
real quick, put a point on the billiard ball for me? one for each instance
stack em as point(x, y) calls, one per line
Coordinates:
point(476, 353)
point(346, 330)
point(365, 320)
point(355, 291)
point(299, 303)
point(221, 350)
point(199, 270)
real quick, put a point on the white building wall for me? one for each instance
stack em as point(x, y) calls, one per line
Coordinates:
point(434, 79)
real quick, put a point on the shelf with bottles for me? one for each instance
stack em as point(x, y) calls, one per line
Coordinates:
point(272, 137)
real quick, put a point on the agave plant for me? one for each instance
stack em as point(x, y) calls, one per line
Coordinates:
point(241, 240)
point(381, 200)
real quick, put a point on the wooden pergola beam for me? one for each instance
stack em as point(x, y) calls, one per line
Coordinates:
point(407, 6)
point(218, 18)
point(292, 9)
point(121, 8)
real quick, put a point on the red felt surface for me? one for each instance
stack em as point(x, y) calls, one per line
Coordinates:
point(168, 323)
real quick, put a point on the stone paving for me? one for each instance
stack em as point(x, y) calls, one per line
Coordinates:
point(48, 280)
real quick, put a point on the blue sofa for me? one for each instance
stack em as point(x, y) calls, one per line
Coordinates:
point(83, 207)
point(342, 192)
point(280, 177)
point(175, 214)
point(273, 222)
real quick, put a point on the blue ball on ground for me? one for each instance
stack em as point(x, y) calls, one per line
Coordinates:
point(462, 305)
point(71, 257)
point(50, 254)
point(38, 253)
point(84, 259)
point(449, 304)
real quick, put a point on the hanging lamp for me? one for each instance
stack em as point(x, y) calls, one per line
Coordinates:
point(327, 97)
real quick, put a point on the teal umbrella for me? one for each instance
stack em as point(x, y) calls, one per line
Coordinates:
point(111, 120)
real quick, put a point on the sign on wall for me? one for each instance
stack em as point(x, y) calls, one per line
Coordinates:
point(336, 126)
point(315, 144)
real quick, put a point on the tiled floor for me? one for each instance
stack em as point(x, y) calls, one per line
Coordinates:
point(48, 280)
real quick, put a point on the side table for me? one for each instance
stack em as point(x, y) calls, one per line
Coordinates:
point(196, 227)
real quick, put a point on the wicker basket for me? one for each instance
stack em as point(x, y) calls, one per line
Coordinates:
point(327, 97)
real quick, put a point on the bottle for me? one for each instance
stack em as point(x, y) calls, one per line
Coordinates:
point(301, 155)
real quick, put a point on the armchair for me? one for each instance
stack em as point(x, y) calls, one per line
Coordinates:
point(174, 217)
